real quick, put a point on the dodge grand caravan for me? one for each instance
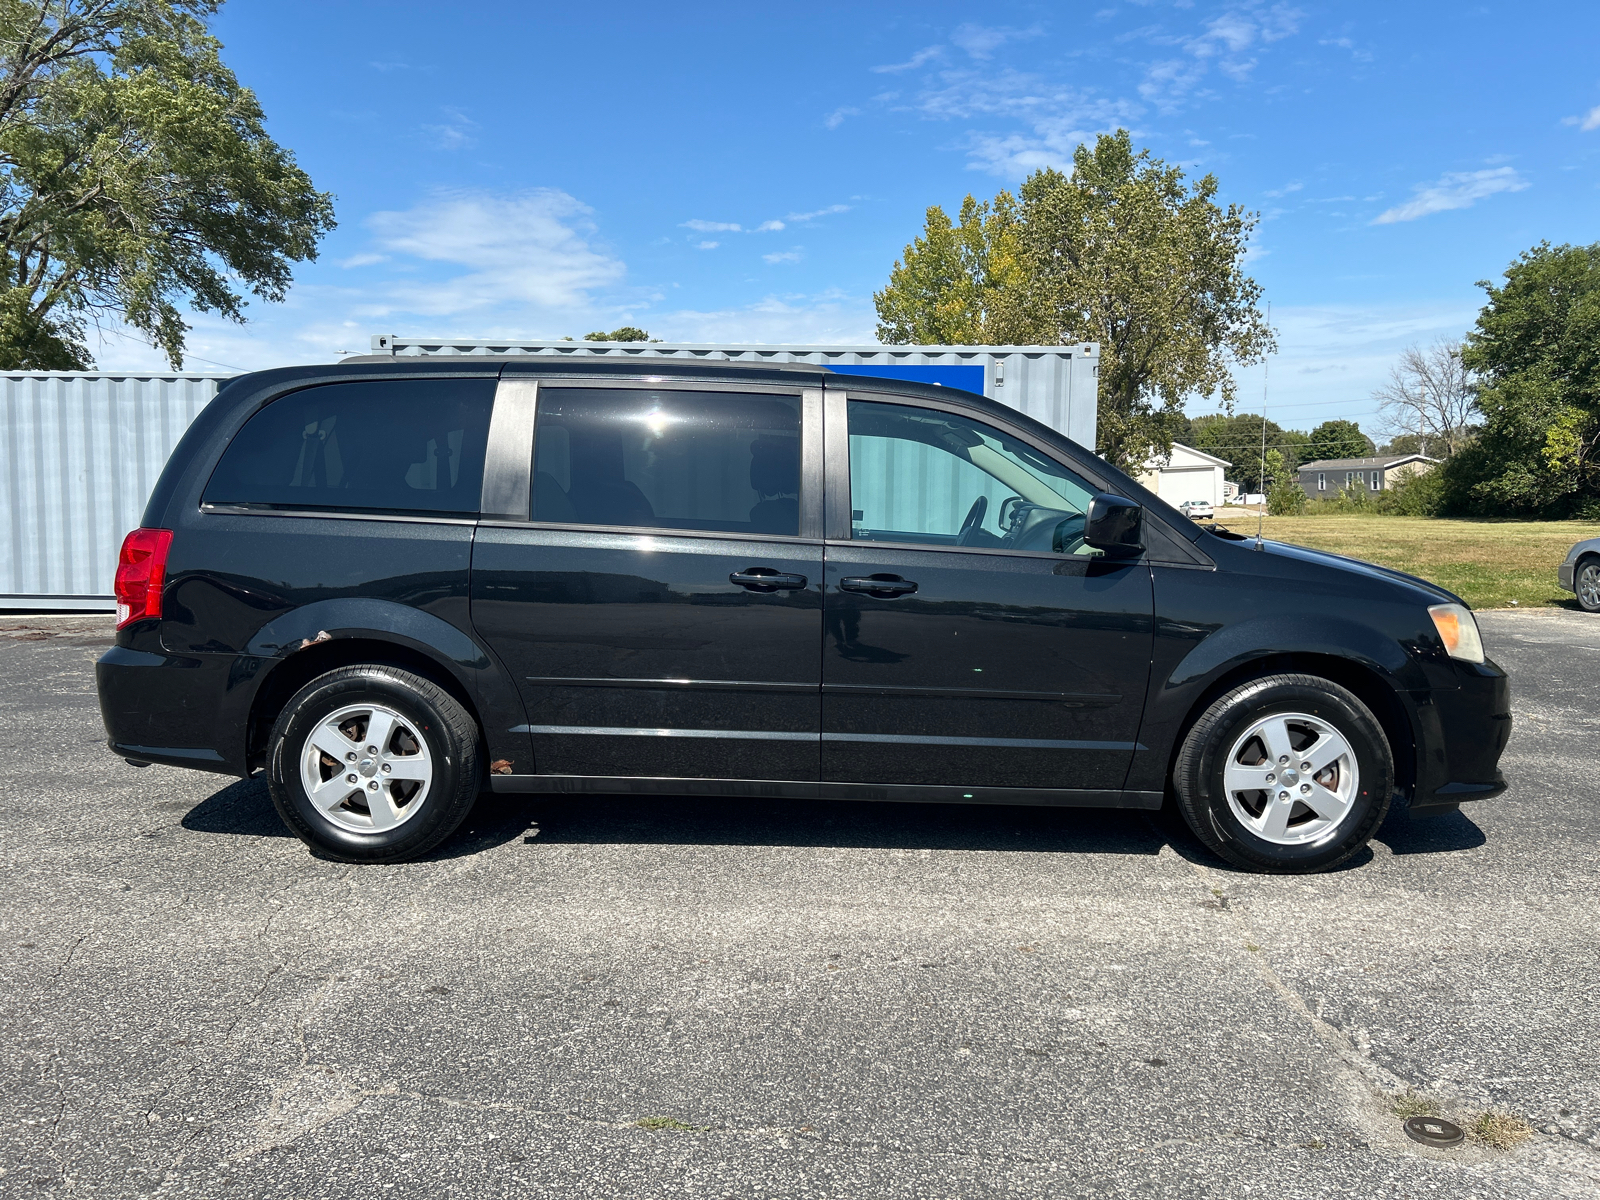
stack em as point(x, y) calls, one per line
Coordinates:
point(391, 584)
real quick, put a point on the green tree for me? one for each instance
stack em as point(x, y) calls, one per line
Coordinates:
point(958, 284)
point(1237, 438)
point(1123, 252)
point(1284, 497)
point(1338, 439)
point(137, 175)
point(1537, 348)
point(627, 333)
point(1126, 253)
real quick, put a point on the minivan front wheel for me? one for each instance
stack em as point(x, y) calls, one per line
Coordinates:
point(1285, 774)
point(372, 763)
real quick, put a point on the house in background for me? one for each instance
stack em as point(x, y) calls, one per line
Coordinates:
point(1186, 474)
point(1330, 476)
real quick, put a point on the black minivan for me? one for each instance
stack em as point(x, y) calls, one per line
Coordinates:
point(391, 583)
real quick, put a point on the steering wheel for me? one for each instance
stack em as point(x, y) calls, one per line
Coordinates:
point(974, 516)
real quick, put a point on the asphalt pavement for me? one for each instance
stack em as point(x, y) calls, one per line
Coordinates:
point(685, 997)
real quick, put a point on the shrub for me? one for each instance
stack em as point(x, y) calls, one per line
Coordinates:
point(1286, 500)
point(1414, 496)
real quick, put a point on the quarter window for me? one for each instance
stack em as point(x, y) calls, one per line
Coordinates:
point(412, 445)
point(923, 476)
point(667, 459)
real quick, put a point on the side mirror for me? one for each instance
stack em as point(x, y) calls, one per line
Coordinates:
point(1114, 525)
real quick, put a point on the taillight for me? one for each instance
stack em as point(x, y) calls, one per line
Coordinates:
point(141, 570)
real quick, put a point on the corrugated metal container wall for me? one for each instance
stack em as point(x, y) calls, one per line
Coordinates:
point(1057, 385)
point(79, 455)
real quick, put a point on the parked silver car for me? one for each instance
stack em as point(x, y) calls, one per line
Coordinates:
point(1581, 574)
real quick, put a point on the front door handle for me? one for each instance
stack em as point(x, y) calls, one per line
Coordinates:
point(884, 587)
point(765, 579)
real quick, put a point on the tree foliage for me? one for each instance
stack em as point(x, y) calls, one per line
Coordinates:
point(1338, 439)
point(627, 333)
point(1238, 438)
point(958, 284)
point(1537, 348)
point(1123, 252)
point(135, 174)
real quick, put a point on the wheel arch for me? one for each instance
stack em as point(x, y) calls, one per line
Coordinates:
point(300, 668)
point(1381, 696)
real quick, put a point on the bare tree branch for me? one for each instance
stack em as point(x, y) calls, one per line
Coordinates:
point(1432, 396)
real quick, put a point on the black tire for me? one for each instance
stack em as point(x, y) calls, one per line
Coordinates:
point(1588, 563)
point(451, 738)
point(1203, 801)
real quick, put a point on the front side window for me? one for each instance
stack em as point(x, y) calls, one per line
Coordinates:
point(413, 445)
point(934, 478)
point(666, 459)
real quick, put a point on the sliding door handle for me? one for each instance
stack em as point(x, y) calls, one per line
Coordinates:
point(765, 579)
point(884, 587)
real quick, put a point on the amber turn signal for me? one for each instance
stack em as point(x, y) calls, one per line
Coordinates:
point(1458, 630)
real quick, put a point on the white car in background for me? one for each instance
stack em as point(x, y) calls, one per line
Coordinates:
point(1197, 510)
point(1581, 574)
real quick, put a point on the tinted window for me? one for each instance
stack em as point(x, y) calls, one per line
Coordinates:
point(407, 445)
point(668, 459)
point(919, 475)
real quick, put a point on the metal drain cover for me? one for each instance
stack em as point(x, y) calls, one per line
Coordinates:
point(1434, 1131)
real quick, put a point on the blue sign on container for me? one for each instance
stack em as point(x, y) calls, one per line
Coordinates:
point(968, 379)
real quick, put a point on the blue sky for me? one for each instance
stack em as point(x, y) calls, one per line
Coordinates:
point(745, 173)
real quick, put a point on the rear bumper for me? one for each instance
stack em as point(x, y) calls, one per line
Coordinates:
point(165, 708)
point(1464, 732)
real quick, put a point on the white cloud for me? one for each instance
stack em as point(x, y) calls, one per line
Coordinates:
point(769, 226)
point(926, 55)
point(707, 245)
point(836, 118)
point(1227, 42)
point(829, 318)
point(1332, 357)
point(784, 256)
point(458, 131)
point(812, 216)
point(1285, 190)
point(1457, 190)
point(361, 260)
point(1588, 122)
point(981, 42)
point(530, 248)
point(700, 226)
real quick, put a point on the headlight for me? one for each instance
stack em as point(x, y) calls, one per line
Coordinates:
point(1458, 631)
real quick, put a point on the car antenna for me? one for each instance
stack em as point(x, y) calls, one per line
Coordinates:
point(1266, 369)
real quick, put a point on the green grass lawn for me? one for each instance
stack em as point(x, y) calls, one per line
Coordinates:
point(1487, 563)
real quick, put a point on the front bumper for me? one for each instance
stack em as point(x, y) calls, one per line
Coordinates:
point(1464, 731)
point(1564, 574)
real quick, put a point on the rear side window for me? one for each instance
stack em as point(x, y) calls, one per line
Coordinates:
point(412, 445)
point(713, 461)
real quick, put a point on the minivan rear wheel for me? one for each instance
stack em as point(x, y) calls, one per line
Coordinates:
point(1285, 774)
point(371, 763)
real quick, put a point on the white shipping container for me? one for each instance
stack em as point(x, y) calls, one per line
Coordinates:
point(1056, 385)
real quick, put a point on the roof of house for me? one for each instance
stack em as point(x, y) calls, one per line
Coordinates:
point(1160, 464)
point(1383, 461)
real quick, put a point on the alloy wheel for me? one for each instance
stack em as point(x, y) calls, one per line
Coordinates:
point(366, 768)
point(1291, 778)
point(1588, 587)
